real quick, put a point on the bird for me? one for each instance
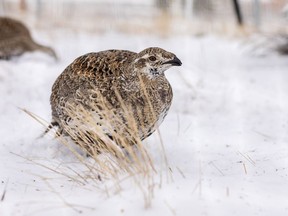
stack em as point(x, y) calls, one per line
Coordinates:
point(125, 92)
point(15, 39)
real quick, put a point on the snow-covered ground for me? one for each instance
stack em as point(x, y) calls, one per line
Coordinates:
point(225, 137)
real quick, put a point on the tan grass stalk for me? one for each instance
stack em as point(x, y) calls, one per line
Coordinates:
point(123, 157)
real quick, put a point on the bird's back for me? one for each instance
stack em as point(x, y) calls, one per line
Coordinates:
point(94, 71)
point(11, 29)
point(15, 39)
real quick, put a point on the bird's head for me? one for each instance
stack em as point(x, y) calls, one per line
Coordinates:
point(155, 61)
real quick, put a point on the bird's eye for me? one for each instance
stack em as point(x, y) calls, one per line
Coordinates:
point(152, 58)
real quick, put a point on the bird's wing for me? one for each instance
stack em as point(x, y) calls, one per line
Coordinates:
point(92, 71)
point(100, 65)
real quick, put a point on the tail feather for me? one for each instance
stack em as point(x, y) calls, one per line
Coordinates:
point(52, 125)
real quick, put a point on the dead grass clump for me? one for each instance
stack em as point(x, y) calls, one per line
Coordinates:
point(116, 148)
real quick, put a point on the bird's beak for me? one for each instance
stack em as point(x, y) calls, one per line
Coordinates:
point(174, 62)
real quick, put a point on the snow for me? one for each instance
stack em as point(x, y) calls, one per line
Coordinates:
point(225, 136)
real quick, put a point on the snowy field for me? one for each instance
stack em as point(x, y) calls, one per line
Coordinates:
point(225, 136)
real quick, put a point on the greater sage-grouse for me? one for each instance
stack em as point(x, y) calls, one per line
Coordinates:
point(15, 39)
point(125, 94)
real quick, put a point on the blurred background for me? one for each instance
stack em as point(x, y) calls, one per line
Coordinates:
point(152, 16)
point(226, 132)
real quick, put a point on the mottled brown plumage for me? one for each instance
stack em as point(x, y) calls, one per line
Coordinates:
point(115, 86)
point(15, 39)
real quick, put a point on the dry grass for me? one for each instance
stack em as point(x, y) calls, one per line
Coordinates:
point(114, 160)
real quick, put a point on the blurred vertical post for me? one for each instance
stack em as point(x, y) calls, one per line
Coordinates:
point(187, 6)
point(238, 13)
point(256, 13)
point(23, 5)
point(203, 8)
point(164, 20)
point(163, 4)
point(2, 7)
point(39, 8)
